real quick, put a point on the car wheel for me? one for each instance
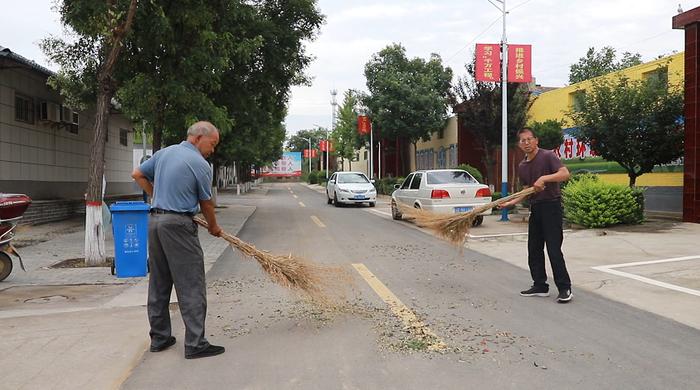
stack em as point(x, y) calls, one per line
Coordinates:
point(478, 220)
point(335, 200)
point(395, 214)
point(372, 204)
point(328, 199)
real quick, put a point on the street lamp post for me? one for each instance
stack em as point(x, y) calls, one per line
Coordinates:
point(333, 104)
point(504, 108)
point(309, 139)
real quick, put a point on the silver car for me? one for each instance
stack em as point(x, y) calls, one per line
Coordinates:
point(350, 188)
point(441, 191)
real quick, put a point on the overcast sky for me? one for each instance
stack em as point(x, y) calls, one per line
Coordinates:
point(560, 32)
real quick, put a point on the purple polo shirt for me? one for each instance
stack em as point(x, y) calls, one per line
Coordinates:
point(545, 162)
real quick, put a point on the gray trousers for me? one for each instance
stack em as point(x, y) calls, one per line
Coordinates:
point(176, 258)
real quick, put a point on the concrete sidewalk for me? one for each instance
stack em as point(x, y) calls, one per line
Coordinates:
point(82, 327)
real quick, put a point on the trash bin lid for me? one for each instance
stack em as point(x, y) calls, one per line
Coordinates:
point(130, 206)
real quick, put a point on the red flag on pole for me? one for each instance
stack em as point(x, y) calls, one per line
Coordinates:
point(519, 63)
point(364, 126)
point(322, 145)
point(488, 62)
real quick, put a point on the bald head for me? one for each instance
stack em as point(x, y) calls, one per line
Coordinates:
point(204, 136)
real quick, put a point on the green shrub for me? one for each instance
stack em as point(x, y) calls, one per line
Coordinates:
point(386, 185)
point(595, 204)
point(580, 176)
point(472, 171)
point(313, 177)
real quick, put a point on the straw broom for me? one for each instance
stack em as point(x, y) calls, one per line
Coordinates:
point(455, 227)
point(291, 272)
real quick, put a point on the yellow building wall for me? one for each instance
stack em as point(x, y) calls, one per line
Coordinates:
point(437, 152)
point(554, 104)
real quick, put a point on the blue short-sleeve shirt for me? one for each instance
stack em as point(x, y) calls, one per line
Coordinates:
point(181, 177)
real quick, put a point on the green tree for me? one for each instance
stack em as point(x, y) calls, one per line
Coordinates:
point(549, 133)
point(408, 98)
point(87, 79)
point(345, 136)
point(480, 110)
point(598, 63)
point(256, 85)
point(175, 59)
point(636, 123)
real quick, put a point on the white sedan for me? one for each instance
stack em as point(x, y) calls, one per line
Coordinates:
point(441, 191)
point(350, 188)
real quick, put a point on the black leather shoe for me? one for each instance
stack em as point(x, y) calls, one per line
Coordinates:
point(211, 350)
point(167, 344)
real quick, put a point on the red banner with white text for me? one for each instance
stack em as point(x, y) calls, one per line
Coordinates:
point(519, 63)
point(488, 62)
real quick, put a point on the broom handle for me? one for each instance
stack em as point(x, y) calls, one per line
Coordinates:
point(526, 192)
point(232, 239)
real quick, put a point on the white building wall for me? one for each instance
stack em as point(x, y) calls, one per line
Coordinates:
point(44, 159)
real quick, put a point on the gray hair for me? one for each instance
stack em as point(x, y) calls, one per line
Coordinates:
point(201, 128)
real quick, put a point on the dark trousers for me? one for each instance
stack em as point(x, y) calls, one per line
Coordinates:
point(176, 258)
point(545, 227)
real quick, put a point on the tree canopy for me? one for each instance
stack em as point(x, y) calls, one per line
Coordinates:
point(408, 98)
point(549, 133)
point(345, 136)
point(480, 111)
point(598, 63)
point(637, 123)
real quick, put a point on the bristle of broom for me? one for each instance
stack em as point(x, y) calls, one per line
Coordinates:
point(320, 283)
point(454, 227)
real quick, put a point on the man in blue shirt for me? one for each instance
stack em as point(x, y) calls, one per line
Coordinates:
point(178, 178)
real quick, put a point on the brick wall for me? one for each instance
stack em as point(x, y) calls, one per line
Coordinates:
point(44, 211)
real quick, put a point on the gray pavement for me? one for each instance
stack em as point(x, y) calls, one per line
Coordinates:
point(81, 328)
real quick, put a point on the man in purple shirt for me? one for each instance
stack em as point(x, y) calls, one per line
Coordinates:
point(543, 170)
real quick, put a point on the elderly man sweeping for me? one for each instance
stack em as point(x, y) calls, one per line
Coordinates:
point(178, 178)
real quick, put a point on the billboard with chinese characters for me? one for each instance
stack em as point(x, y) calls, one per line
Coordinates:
point(572, 148)
point(488, 62)
point(288, 166)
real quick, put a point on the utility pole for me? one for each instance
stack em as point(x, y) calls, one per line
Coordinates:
point(504, 107)
point(328, 144)
point(309, 139)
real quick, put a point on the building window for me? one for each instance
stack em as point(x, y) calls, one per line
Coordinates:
point(124, 137)
point(366, 155)
point(24, 109)
point(658, 76)
point(576, 99)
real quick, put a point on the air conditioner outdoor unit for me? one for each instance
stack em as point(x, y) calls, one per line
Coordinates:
point(50, 112)
point(75, 119)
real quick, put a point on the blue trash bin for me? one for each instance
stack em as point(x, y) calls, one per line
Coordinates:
point(130, 228)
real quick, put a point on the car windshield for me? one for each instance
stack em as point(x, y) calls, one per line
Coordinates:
point(352, 178)
point(450, 177)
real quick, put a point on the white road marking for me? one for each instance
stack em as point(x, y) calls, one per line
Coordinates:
point(610, 269)
point(317, 221)
point(302, 204)
point(295, 197)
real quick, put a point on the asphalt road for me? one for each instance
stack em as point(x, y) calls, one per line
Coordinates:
point(494, 338)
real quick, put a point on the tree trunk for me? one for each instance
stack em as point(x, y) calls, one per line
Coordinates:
point(158, 127)
point(94, 230)
point(633, 179)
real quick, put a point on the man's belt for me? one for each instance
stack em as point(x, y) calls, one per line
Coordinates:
point(161, 211)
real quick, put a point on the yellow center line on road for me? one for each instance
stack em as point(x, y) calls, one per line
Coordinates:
point(407, 316)
point(302, 204)
point(317, 221)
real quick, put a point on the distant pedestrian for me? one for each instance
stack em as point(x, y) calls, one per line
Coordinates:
point(543, 170)
point(178, 179)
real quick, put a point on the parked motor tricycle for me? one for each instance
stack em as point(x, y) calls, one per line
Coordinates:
point(12, 208)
